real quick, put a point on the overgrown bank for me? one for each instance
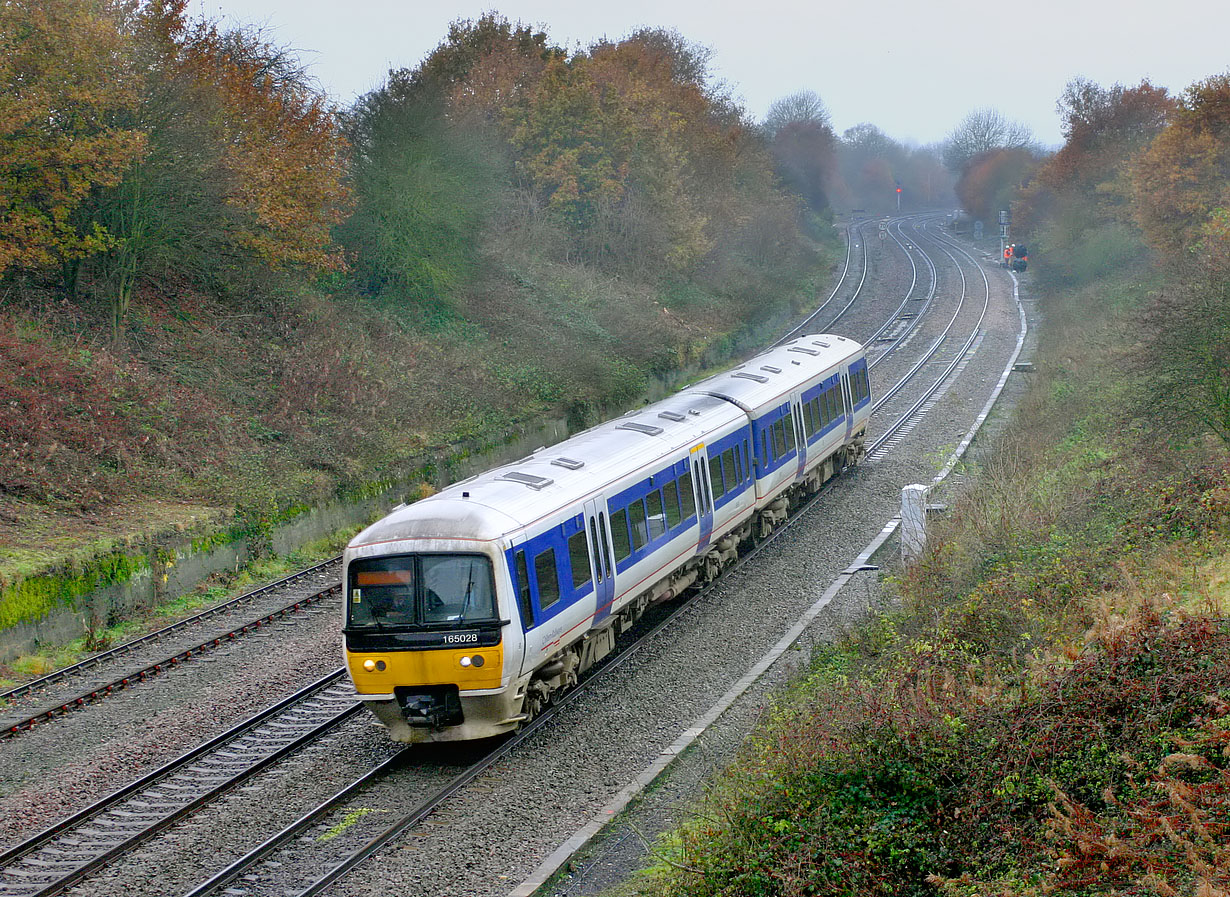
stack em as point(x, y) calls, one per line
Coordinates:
point(244, 302)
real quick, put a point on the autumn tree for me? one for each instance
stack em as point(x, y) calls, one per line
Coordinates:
point(431, 159)
point(1086, 182)
point(624, 155)
point(66, 81)
point(611, 139)
point(1182, 181)
point(244, 165)
point(982, 131)
point(991, 180)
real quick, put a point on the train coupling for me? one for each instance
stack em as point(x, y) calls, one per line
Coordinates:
point(433, 708)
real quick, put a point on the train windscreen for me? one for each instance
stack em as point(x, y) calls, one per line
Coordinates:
point(420, 591)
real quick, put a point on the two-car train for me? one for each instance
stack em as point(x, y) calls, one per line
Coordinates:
point(466, 612)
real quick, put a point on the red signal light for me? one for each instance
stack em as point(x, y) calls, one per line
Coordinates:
point(898, 189)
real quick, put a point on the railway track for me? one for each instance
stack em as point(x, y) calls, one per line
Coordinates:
point(263, 870)
point(102, 684)
point(89, 840)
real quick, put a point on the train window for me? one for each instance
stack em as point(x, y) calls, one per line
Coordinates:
point(765, 445)
point(817, 415)
point(728, 467)
point(382, 592)
point(715, 477)
point(700, 479)
point(457, 588)
point(578, 558)
point(779, 437)
point(548, 579)
point(523, 591)
point(807, 419)
point(636, 517)
point(738, 451)
point(606, 548)
point(788, 429)
point(593, 539)
point(619, 534)
point(657, 518)
point(670, 496)
point(686, 497)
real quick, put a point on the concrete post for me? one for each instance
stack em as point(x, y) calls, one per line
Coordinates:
point(913, 522)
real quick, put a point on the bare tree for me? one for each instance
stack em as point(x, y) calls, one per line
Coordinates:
point(982, 130)
point(870, 142)
point(803, 107)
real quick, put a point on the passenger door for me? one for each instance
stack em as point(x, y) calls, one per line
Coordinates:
point(848, 398)
point(704, 495)
point(601, 558)
point(800, 431)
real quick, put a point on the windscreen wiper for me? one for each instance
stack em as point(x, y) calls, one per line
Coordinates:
point(465, 605)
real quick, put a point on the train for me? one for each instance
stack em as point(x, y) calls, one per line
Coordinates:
point(468, 612)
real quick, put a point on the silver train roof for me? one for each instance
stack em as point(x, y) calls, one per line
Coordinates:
point(767, 379)
point(514, 496)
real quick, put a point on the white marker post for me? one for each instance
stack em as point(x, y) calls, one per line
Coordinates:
point(913, 523)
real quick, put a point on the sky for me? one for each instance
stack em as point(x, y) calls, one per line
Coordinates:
point(911, 67)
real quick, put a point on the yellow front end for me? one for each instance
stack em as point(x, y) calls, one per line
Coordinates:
point(379, 672)
point(488, 708)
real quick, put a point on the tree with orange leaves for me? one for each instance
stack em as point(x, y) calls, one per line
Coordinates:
point(244, 166)
point(993, 178)
point(1182, 182)
point(1086, 183)
point(66, 78)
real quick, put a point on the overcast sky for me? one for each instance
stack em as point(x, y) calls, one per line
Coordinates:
point(912, 68)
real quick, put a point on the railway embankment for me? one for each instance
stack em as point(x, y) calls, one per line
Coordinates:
point(118, 556)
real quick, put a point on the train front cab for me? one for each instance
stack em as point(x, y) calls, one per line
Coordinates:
point(430, 642)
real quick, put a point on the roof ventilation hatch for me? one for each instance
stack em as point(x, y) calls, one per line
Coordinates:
point(536, 483)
